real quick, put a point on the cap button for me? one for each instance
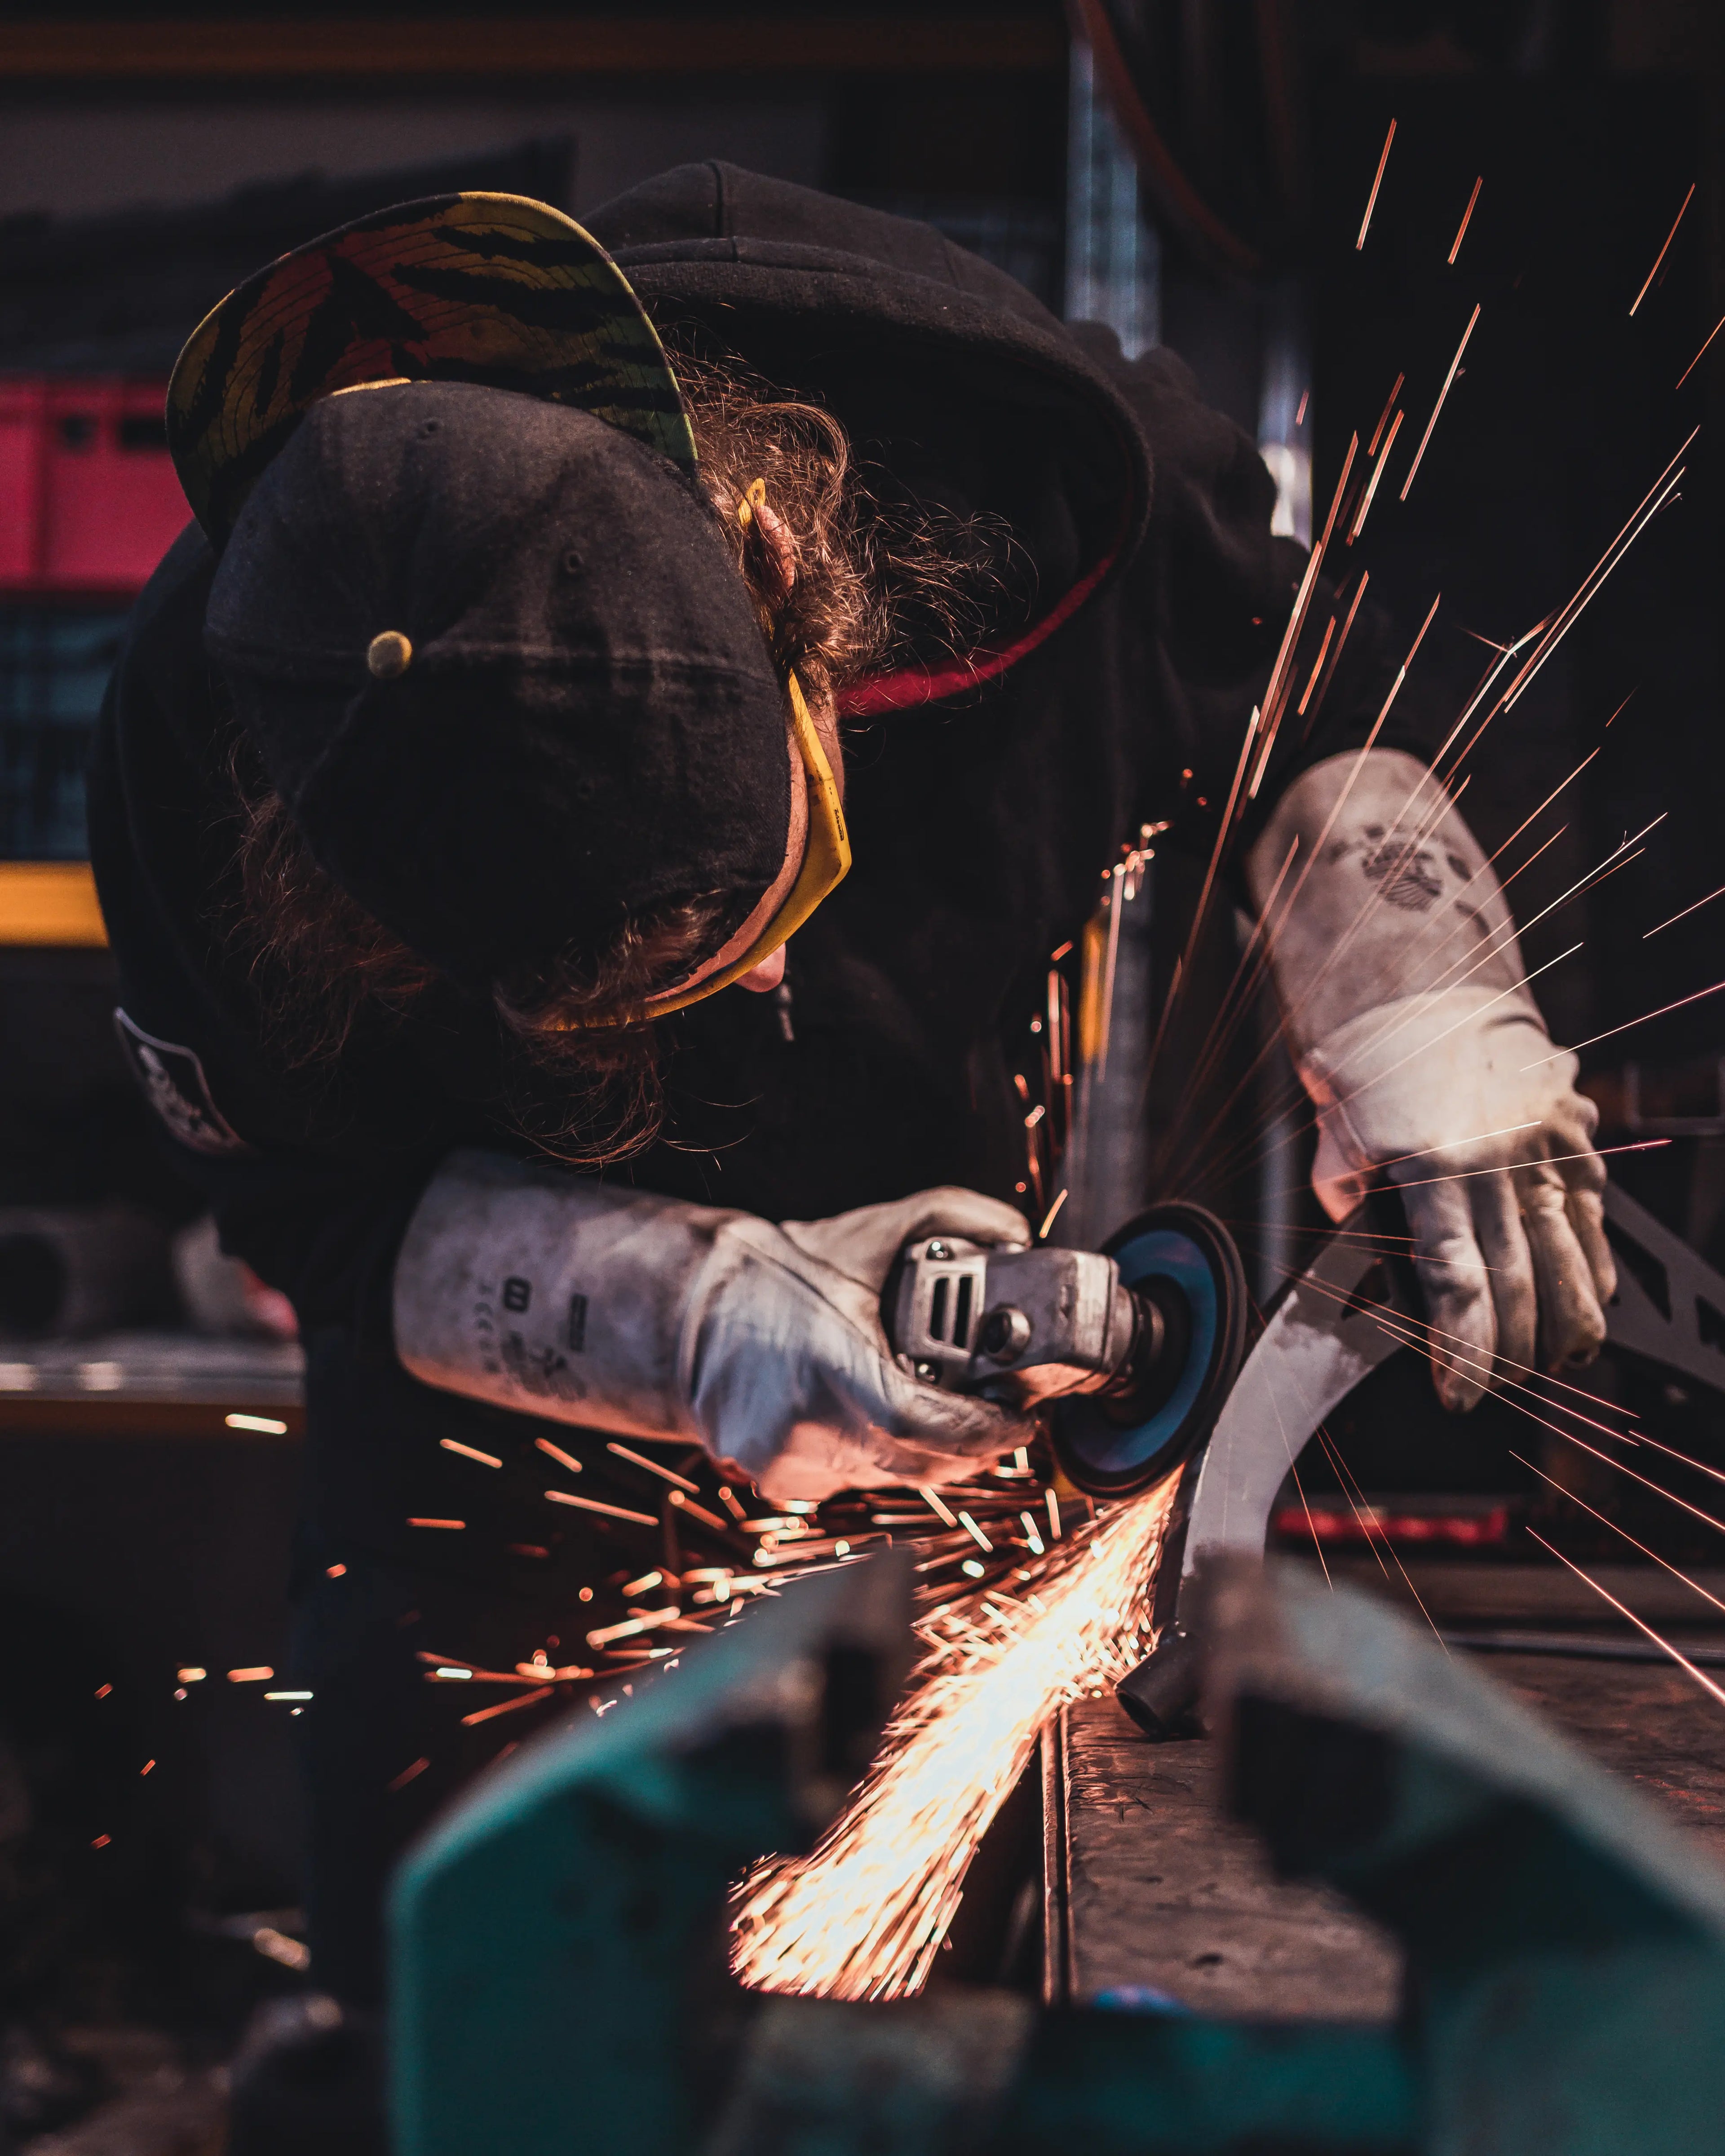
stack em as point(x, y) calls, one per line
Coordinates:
point(387, 656)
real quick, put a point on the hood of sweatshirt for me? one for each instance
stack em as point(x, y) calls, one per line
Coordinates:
point(961, 392)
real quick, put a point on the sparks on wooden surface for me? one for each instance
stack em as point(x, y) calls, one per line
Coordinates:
point(863, 1917)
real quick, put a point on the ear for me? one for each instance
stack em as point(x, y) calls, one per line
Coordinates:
point(763, 979)
point(775, 549)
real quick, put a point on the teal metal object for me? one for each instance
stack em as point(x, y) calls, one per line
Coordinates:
point(558, 1940)
point(1565, 1941)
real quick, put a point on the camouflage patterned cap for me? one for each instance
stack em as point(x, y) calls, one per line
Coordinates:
point(482, 288)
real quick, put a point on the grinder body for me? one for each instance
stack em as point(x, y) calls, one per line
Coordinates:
point(1130, 1350)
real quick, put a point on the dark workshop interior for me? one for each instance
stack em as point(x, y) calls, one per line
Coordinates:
point(1475, 252)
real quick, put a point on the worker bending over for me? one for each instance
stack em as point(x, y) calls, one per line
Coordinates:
point(472, 818)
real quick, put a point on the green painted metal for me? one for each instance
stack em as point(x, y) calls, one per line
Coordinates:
point(557, 1940)
point(1565, 1941)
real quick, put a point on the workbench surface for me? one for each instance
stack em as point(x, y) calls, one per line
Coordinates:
point(1148, 1885)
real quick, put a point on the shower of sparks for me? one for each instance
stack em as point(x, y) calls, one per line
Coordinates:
point(1663, 489)
point(1016, 1617)
point(1461, 232)
point(1372, 199)
point(863, 1916)
point(1321, 680)
point(1454, 368)
point(1663, 251)
point(505, 1707)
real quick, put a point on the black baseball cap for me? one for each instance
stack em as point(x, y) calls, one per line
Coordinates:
point(497, 660)
point(473, 607)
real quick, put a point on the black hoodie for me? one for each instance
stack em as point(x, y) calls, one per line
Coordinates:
point(984, 800)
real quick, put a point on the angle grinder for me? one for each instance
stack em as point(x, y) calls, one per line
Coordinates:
point(1129, 1350)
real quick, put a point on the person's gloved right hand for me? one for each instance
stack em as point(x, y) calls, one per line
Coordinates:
point(561, 1296)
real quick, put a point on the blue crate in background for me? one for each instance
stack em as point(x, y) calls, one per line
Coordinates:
point(55, 664)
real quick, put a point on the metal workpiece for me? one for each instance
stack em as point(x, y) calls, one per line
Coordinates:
point(1324, 1337)
point(1351, 1310)
point(1152, 1893)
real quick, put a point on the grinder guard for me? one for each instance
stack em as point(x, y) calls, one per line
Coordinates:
point(1180, 1261)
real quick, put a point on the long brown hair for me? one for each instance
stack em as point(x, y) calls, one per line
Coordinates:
point(320, 967)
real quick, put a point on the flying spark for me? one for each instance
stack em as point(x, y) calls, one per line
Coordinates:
point(1462, 233)
point(1663, 252)
point(592, 1505)
point(1454, 365)
point(1372, 199)
point(1687, 910)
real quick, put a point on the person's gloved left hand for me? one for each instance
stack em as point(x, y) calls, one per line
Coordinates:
point(1458, 1097)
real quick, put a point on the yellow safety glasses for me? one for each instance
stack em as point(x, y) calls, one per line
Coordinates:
point(826, 862)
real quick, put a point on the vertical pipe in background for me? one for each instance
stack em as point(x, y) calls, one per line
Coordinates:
point(1280, 1117)
point(1285, 409)
point(1106, 1168)
point(1113, 256)
point(1285, 437)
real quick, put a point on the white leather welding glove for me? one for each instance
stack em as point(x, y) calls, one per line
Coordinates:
point(562, 1296)
point(1430, 1066)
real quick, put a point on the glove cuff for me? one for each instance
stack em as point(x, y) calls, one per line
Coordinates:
point(1365, 1049)
point(551, 1294)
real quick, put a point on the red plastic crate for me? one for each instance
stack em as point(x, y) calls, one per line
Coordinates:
point(89, 501)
